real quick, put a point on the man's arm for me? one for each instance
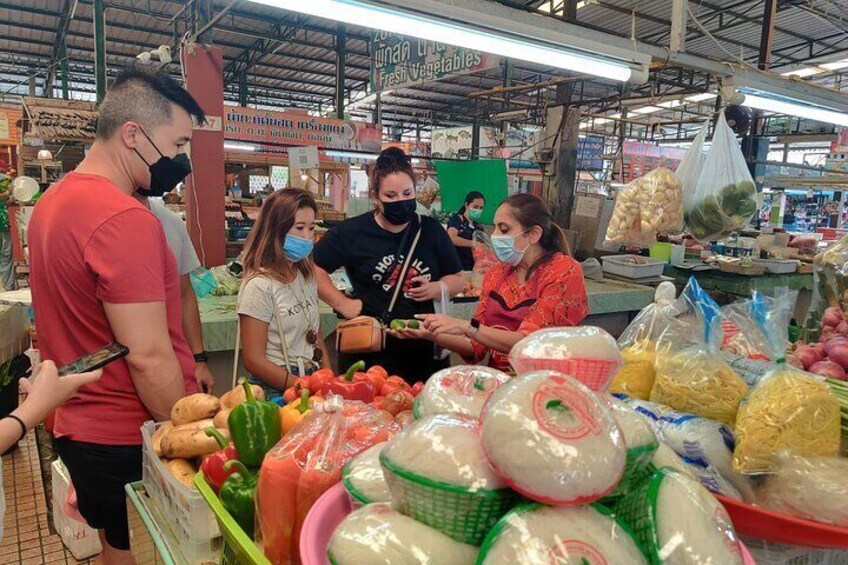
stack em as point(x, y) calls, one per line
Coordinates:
point(155, 371)
point(193, 331)
point(336, 299)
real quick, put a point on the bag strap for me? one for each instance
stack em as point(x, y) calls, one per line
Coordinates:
point(276, 316)
point(403, 270)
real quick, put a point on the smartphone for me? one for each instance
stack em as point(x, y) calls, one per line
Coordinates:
point(96, 359)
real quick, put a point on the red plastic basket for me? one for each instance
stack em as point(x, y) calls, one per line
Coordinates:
point(771, 526)
point(594, 373)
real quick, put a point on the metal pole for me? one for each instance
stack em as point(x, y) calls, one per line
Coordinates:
point(341, 37)
point(378, 109)
point(63, 63)
point(242, 88)
point(100, 49)
point(206, 21)
point(507, 83)
point(475, 140)
point(679, 15)
point(764, 58)
point(32, 83)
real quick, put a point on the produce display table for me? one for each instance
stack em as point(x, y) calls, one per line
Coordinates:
point(728, 287)
point(612, 305)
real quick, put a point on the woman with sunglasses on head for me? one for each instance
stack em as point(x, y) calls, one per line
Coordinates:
point(372, 248)
point(281, 335)
point(537, 285)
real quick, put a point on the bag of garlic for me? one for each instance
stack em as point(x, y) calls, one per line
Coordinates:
point(650, 204)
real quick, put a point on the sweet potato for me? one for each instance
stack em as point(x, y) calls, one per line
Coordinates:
point(194, 407)
point(186, 444)
point(236, 396)
point(183, 470)
point(198, 425)
point(159, 434)
point(221, 418)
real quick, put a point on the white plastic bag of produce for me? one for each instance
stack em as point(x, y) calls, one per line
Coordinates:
point(678, 522)
point(641, 442)
point(788, 409)
point(650, 204)
point(725, 196)
point(533, 533)
point(553, 440)
point(689, 170)
point(378, 535)
point(692, 375)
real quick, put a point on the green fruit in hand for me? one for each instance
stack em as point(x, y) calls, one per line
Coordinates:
point(413, 324)
point(397, 325)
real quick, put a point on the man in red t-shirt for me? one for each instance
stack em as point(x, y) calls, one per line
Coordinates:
point(101, 271)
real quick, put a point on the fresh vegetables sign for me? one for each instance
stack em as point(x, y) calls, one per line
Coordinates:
point(400, 62)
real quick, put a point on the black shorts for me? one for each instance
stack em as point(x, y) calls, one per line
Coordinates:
point(99, 473)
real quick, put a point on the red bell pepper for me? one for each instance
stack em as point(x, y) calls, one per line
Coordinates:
point(348, 389)
point(377, 375)
point(318, 381)
point(293, 392)
point(417, 388)
point(212, 466)
point(393, 384)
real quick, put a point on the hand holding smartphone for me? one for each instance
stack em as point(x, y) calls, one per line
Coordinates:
point(96, 359)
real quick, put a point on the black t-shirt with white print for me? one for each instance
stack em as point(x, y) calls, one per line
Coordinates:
point(367, 253)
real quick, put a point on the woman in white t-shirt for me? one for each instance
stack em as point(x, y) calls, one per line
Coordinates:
point(281, 335)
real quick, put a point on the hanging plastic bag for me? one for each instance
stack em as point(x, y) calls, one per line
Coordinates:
point(830, 288)
point(788, 409)
point(689, 170)
point(638, 344)
point(650, 204)
point(692, 375)
point(725, 197)
point(305, 464)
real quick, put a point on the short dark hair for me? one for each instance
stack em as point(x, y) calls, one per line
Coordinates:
point(145, 97)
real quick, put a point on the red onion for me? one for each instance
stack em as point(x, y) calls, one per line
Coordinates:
point(794, 361)
point(837, 351)
point(832, 317)
point(807, 356)
point(828, 369)
point(819, 347)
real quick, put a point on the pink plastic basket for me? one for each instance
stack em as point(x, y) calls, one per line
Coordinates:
point(594, 373)
point(333, 506)
point(321, 521)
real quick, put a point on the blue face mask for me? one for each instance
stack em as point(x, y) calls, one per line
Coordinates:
point(297, 248)
point(505, 251)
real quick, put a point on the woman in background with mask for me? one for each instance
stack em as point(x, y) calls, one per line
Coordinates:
point(372, 248)
point(537, 285)
point(281, 335)
point(463, 224)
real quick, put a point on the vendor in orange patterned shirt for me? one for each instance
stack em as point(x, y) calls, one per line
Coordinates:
point(536, 285)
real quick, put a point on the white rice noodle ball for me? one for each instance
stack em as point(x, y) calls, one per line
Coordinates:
point(363, 477)
point(445, 448)
point(553, 440)
point(462, 390)
point(378, 535)
point(586, 353)
point(680, 522)
point(641, 444)
point(563, 535)
point(665, 456)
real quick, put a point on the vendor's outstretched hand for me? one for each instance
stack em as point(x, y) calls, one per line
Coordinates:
point(408, 333)
point(439, 324)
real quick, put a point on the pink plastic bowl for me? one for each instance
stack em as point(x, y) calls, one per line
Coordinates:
point(333, 506)
point(321, 521)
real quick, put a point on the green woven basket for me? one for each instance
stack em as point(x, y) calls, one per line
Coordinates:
point(465, 515)
point(635, 471)
point(638, 509)
point(237, 548)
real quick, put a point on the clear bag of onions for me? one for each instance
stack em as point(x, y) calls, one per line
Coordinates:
point(830, 293)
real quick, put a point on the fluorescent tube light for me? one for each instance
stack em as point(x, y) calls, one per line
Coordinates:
point(700, 97)
point(351, 155)
point(647, 110)
point(670, 104)
point(796, 109)
point(356, 12)
point(239, 146)
point(803, 73)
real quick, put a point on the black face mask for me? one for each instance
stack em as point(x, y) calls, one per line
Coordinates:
point(166, 173)
point(399, 212)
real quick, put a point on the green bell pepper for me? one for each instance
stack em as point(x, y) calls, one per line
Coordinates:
point(254, 428)
point(238, 495)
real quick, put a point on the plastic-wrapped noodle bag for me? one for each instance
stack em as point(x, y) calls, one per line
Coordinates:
point(788, 409)
point(692, 375)
point(638, 344)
